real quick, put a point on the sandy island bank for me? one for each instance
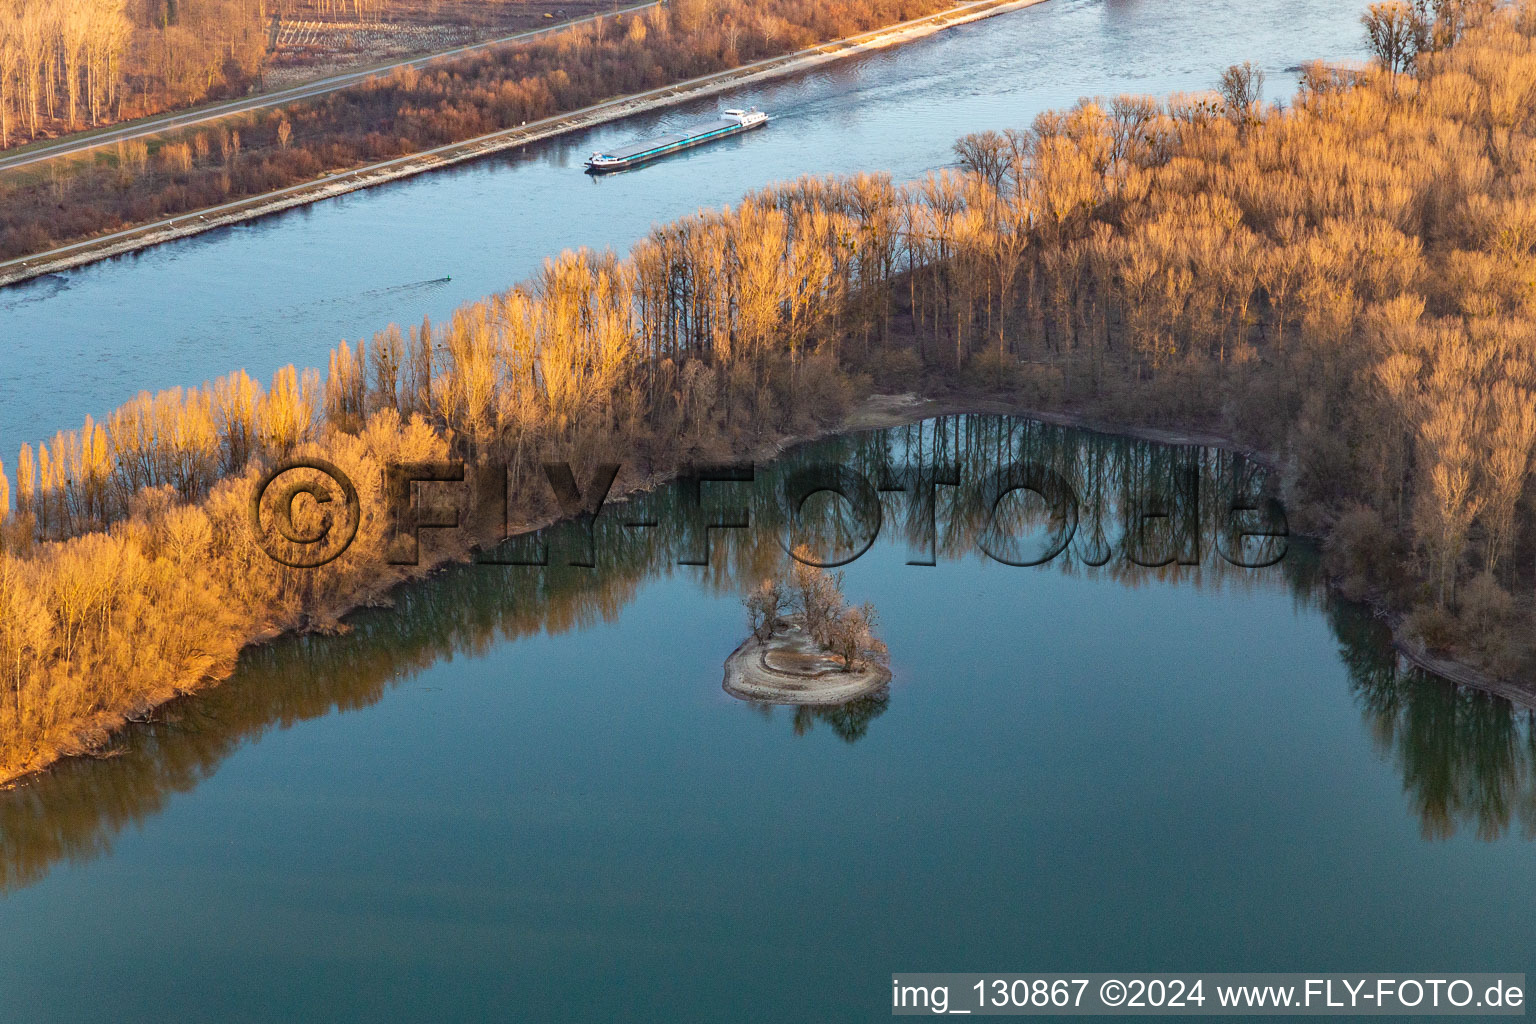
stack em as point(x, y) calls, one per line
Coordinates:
point(791, 669)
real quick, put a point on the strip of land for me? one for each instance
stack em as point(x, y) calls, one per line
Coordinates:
point(328, 186)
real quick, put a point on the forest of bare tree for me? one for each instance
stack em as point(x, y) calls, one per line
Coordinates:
point(72, 64)
point(1348, 283)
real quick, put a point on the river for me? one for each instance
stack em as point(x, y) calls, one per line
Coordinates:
point(522, 794)
point(286, 288)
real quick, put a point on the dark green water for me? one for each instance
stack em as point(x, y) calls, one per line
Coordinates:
point(522, 795)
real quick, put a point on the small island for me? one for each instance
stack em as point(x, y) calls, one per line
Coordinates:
point(807, 646)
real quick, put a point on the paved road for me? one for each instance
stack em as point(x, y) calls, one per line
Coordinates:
point(164, 122)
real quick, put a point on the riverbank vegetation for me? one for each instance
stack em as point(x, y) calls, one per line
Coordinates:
point(1346, 284)
point(67, 199)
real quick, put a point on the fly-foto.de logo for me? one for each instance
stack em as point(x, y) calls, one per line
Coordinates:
point(306, 513)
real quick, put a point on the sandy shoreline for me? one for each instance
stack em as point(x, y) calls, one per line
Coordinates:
point(342, 182)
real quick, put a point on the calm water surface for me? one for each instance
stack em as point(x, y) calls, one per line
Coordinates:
point(287, 288)
point(523, 795)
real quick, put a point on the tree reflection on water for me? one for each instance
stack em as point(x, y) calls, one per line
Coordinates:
point(1468, 758)
point(849, 722)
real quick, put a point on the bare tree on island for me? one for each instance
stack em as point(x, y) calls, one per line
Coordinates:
point(815, 598)
point(765, 608)
point(852, 637)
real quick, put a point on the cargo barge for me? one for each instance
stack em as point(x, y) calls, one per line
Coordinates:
point(731, 122)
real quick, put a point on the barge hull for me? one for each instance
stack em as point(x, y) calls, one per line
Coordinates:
point(639, 153)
